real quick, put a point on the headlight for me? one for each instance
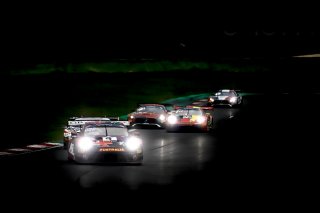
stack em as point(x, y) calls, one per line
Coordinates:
point(162, 118)
point(201, 119)
point(211, 100)
point(233, 100)
point(172, 119)
point(85, 144)
point(133, 143)
point(131, 116)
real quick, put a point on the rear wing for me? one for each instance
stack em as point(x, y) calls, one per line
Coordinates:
point(76, 121)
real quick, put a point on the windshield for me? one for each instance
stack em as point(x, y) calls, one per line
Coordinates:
point(153, 109)
point(105, 131)
point(95, 131)
point(114, 131)
point(188, 112)
point(224, 94)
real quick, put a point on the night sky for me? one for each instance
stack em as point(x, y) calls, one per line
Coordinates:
point(54, 34)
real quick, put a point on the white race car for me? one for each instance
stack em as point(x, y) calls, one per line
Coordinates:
point(75, 125)
point(225, 97)
point(105, 141)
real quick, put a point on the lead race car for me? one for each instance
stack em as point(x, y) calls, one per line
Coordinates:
point(105, 141)
point(75, 124)
point(225, 97)
point(195, 118)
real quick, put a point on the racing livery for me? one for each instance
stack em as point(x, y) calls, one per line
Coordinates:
point(75, 125)
point(225, 97)
point(189, 117)
point(202, 104)
point(148, 115)
point(105, 141)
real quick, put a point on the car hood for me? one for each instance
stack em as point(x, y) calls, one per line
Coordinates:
point(146, 115)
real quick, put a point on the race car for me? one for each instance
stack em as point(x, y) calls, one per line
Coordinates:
point(195, 118)
point(106, 141)
point(75, 125)
point(148, 115)
point(202, 104)
point(225, 97)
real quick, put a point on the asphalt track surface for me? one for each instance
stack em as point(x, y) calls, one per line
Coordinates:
point(262, 154)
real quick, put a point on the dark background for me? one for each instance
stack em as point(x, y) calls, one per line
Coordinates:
point(55, 33)
point(61, 35)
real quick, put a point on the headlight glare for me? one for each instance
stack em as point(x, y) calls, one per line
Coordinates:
point(233, 100)
point(201, 119)
point(162, 118)
point(85, 144)
point(172, 119)
point(133, 143)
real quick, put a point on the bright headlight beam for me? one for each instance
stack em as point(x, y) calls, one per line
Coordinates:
point(85, 144)
point(133, 143)
point(233, 99)
point(162, 117)
point(172, 119)
point(201, 119)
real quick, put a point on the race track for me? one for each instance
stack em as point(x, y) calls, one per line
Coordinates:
point(253, 151)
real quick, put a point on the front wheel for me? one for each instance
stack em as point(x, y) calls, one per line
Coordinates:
point(136, 159)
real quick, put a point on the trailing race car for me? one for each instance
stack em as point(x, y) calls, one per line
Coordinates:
point(105, 141)
point(75, 125)
point(225, 97)
point(189, 117)
point(148, 115)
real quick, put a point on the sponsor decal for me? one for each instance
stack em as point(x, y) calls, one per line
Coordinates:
point(70, 123)
point(111, 149)
point(185, 120)
point(104, 143)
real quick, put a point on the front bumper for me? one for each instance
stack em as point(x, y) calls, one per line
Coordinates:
point(147, 122)
point(222, 103)
point(185, 126)
point(102, 154)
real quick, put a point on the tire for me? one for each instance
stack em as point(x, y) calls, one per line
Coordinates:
point(138, 161)
point(65, 145)
point(70, 159)
point(207, 128)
